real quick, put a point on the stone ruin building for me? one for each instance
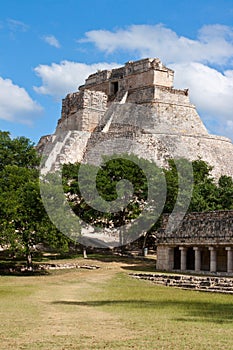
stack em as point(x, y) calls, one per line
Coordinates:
point(136, 109)
point(201, 242)
point(136, 102)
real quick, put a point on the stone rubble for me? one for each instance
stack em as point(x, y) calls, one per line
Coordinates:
point(67, 266)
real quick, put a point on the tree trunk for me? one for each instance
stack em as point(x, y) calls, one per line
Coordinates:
point(84, 253)
point(144, 243)
point(122, 231)
point(29, 259)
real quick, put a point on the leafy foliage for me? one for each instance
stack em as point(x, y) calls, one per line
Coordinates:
point(23, 219)
point(199, 192)
point(207, 194)
point(19, 151)
point(119, 178)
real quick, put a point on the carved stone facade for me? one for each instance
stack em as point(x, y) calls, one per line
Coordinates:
point(82, 111)
point(136, 102)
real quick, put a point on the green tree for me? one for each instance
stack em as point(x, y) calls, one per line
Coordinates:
point(124, 185)
point(225, 192)
point(207, 193)
point(190, 187)
point(19, 151)
point(23, 219)
point(204, 197)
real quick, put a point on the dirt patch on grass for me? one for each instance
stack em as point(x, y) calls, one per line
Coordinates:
point(59, 318)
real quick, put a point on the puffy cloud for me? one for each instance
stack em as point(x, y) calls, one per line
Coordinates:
point(15, 103)
point(214, 43)
point(211, 92)
point(60, 79)
point(51, 40)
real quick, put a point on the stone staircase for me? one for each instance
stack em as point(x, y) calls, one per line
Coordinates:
point(65, 147)
point(199, 283)
point(72, 148)
point(52, 151)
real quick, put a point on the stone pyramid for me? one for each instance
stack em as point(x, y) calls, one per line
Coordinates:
point(133, 109)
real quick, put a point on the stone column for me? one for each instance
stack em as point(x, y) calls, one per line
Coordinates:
point(170, 258)
point(229, 259)
point(183, 258)
point(197, 259)
point(213, 259)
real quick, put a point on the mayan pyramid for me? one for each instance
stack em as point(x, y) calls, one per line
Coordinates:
point(133, 109)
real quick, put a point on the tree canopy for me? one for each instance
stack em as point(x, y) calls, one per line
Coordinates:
point(207, 193)
point(23, 219)
point(19, 151)
point(200, 193)
point(125, 171)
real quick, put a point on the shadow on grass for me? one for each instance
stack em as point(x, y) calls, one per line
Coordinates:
point(147, 267)
point(190, 311)
point(111, 258)
point(25, 273)
point(17, 268)
point(127, 259)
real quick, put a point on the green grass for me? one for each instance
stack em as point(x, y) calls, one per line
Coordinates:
point(170, 318)
point(108, 309)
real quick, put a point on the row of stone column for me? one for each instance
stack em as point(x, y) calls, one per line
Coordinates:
point(213, 259)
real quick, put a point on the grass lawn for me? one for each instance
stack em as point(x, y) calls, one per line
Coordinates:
point(107, 309)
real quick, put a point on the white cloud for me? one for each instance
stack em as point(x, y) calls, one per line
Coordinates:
point(214, 43)
point(65, 77)
point(51, 40)
point(209, 87)
point(16, 104)
point(210, 90)
point(15, 25)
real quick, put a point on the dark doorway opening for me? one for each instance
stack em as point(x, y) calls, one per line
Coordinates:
point(221, 260)
point(190, 259)
point(115, 87)
point(176, 265)
point(205, 259)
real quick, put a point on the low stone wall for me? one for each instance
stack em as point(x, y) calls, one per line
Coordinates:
point(66, 266)
point(199, 283)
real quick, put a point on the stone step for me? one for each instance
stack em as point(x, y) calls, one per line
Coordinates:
point(207, 284)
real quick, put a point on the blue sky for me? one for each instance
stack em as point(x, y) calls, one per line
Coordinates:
point(48, 48)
